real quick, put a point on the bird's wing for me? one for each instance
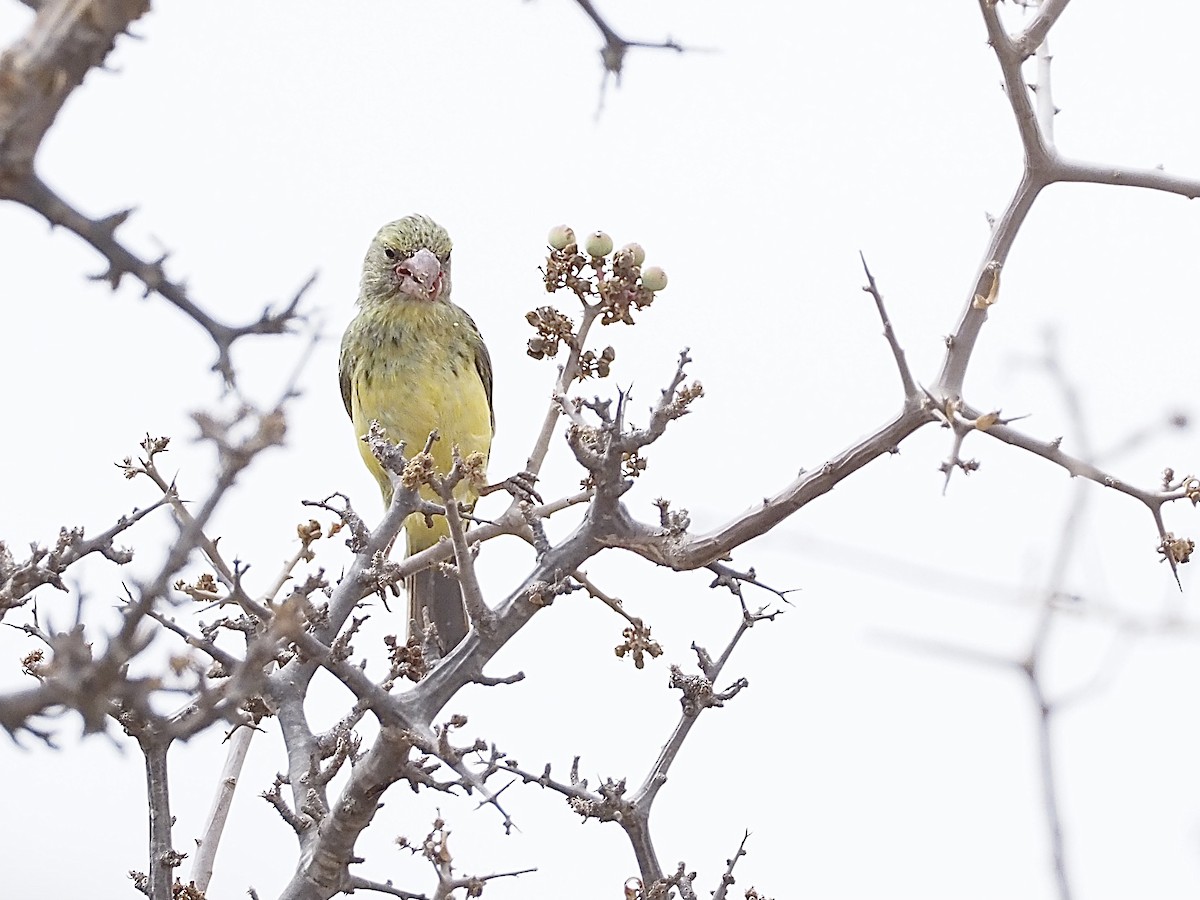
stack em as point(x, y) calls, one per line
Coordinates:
point(483, 365)
point(345, 372)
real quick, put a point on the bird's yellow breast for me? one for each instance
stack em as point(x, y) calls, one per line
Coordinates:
point(412, 367)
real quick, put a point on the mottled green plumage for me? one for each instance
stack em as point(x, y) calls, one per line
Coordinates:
point(416, 363)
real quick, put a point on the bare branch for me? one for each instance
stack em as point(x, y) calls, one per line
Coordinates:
point(1034, 35)
point(1037, 149)
point(697, 551)
point(1068, 170)
point(357, 883)
point(477, 609)
point(727, 878)
point(210, 836)
point(615, 46)
point(65, 41)
point(163, 857)
point(906, 378)
point(566, 375)
point(18, 580)
point(100, 233)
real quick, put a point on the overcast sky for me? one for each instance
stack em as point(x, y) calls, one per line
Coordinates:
point(264, 142)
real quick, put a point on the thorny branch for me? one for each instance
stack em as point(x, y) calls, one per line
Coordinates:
point(19, 579)
point(615, 46)
point(73, 677)
point(1057, 600)
point(287, 639)
point(38, 72)
point(610, 801)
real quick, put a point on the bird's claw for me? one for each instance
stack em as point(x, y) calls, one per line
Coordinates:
point(519, 486)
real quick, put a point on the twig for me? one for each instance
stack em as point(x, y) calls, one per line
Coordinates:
point(358, 883)
point(1049, 782)
point(906, 379)
point(100, 234)
point(566, 375)
point(727, 878)
point(1034, 35)
point(1052, 451)
point(47, 567)
point(477, 608)
point(615, 46)
point(210, 835)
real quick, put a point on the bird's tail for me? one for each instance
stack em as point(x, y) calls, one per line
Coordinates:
point(435, 595)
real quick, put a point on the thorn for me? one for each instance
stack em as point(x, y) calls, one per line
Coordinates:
point(111, 223)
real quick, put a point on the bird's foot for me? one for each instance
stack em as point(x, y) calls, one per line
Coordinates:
point(519, 486)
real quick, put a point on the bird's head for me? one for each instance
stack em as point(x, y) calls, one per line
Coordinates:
point(408, 258)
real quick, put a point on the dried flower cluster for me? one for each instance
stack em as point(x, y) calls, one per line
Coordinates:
point(638, 644)
point(553, 328)
point(609, 285)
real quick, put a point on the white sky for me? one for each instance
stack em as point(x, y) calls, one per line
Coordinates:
point(262, 142)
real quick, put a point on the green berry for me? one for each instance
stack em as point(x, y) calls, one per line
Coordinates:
point(654, 279)
point(598, 244)
point(636, 251)
point(560, 236)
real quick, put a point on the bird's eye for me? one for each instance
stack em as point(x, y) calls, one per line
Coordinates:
point(389, 252)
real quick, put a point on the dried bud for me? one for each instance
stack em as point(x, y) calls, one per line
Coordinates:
point(654, 279)
point(1177, 550)
point(989, 286)
point(987, 420)
point(598, 244)
point(553, 328)
point(309, 532)
point(623, 265)
point(636, 251)
point(560, 237)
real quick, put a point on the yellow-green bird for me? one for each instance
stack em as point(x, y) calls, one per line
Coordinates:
point(415, 362)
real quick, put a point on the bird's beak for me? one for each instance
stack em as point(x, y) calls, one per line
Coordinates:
point(419, 276)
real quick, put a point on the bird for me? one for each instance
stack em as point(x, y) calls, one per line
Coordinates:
point(416, 363)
